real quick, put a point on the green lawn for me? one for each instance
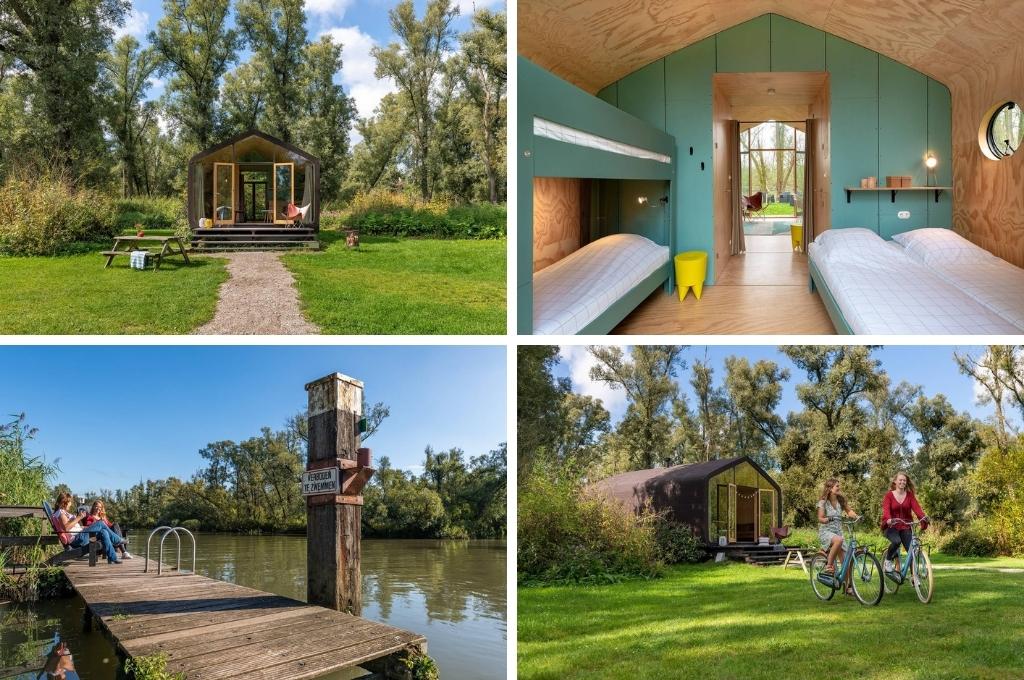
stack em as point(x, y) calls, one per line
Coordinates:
point(738, 621)
point(74, 294)
point(403, 286)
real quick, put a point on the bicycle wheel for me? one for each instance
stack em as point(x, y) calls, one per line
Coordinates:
point(867, 579)
point(817, 566)
point(923, 577)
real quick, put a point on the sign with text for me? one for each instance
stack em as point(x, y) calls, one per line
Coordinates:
point(321, 481)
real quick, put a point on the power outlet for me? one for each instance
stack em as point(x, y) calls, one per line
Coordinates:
point(903, 214)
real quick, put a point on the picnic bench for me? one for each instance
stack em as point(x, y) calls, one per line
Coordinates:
point(30, 511)
point(130, 243)
point(797, 557)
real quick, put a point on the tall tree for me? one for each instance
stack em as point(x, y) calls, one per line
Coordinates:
point(327, 114)
point(999, 371)
point(197, 46)
point(126, 73)
point(415, 63)
point(647, 378)
point(276, 32)
point(244, 97)
point(483, 70)
point(61, 43)
point(376, 159)
point(754, 392)
point(539, 397)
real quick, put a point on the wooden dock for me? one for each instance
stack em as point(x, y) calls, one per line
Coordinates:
point(210, 629)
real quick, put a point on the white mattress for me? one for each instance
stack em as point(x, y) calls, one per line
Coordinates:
point(577, 289)
point(882, 291)
point(992, 281)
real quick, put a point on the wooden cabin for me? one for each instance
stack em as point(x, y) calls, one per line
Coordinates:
point(845, 167)
point(239, 190)
point(731, 497)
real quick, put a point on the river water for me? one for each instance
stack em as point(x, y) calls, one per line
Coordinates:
point(452, 592)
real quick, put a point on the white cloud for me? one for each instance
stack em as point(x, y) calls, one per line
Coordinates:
point(357, 68)
point(334, 8)
point(580, 361)
point(136, 25)
point(467, 7)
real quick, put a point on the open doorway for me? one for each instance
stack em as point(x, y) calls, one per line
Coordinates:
point(772, 163)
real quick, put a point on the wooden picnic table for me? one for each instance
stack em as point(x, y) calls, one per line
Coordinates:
point(129, 241)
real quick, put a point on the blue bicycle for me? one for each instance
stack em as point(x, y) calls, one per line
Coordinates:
point(859, 570)
point(916, 565)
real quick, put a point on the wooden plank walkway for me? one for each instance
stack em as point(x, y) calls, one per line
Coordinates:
point(210, 629)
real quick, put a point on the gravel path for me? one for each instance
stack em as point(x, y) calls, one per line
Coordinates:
point(259, 299)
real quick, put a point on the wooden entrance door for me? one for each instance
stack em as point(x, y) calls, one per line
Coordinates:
point(746, 513)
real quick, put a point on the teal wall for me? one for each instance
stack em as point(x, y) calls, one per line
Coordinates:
point(884, 118)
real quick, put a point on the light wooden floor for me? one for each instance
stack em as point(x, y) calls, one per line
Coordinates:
point(763, 292)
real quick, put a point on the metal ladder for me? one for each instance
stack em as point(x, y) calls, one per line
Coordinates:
point(163, 537)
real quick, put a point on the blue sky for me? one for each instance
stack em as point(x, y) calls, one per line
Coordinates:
point(358, 24)
point(118, 415)
point(931, 366)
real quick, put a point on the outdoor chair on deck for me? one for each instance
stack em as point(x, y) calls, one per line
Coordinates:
point(753, 205)
point(295, 213)
point(92, 549)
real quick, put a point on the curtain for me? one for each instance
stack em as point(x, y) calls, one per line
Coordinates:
point(735, 189)
point(307, 181)
point(198, 195)
point(810, 170)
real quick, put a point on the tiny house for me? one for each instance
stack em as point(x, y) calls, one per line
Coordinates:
point(732, 497)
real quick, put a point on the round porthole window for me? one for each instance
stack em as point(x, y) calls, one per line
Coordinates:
point(1001, 131)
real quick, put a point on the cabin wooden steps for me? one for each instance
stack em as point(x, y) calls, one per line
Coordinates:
point(235, 245)
point(758, 555)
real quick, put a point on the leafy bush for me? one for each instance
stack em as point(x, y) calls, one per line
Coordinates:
point(677, 544)
point(568, 534)
point(150, 668)
point(150, 211)
point(973, 540)
point(389, 214)
point(46, 215)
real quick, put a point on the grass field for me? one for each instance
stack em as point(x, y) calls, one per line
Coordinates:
point(738, 621)
point(74, 294)
point(403, 286)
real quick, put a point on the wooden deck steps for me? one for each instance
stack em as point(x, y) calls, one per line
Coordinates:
point(752, 553)
point(224, 239)
point(210, 629)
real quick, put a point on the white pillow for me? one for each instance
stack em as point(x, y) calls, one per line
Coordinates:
point(936, 247)
point(855, 245)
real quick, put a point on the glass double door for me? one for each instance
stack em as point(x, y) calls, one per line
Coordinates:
point(255, 204)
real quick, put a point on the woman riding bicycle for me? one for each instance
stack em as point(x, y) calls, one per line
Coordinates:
point(897, 505)
point(831, 507)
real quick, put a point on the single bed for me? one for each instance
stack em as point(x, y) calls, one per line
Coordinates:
point(992, 281)
point(873, 287)
point(591, 290)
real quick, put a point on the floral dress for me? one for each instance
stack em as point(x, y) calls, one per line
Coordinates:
point(832, 527)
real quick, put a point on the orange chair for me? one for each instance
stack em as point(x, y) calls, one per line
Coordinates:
point(754, 205)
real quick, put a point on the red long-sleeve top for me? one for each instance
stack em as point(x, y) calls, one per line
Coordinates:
point(893, 509)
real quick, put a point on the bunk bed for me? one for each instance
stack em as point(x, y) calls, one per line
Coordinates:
point(566, 133)
point(873, 287)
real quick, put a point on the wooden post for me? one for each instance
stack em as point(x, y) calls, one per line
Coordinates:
point(333, 531)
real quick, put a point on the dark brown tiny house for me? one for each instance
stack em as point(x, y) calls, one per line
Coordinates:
point(239, 192)
point(731, 497)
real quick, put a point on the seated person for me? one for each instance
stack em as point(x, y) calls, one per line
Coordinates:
point(98, 513)
point(77, 536)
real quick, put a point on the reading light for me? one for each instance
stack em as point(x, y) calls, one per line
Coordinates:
point(642, 200)
point(930, 162)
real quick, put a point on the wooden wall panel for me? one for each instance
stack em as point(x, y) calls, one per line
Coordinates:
point(556, 219)
point(821, 111)
point(988, 205)
point(723, 200)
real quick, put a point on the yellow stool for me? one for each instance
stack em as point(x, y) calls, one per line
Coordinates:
point(691, 269)
point(796, 236)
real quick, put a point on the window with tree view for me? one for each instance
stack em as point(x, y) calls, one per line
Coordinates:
point(772, 162)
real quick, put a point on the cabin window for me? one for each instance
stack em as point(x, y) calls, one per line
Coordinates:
point(1003, 130)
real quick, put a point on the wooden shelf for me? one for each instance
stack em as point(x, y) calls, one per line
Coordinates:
point(937, 190)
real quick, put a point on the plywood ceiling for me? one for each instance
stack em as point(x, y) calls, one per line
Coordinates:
point(592, 43)
point(769, 96)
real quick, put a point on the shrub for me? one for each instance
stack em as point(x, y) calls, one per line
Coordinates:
point(572, 535)
point(152, 212)
point(152, 667)
point(381, 213)
point(973, 540)
point(46, 215)
point(677, 544)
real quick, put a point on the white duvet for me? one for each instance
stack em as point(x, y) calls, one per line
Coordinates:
point(574, 291)
point(993, 282)
point(883, 291)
